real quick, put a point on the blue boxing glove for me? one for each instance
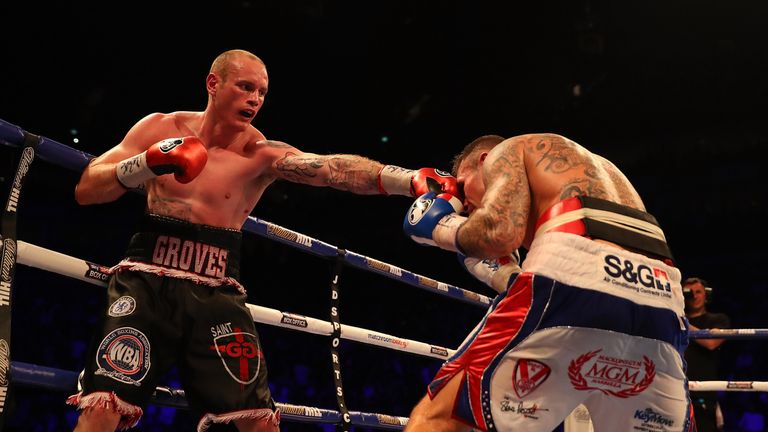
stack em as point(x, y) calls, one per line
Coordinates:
point(434, 220)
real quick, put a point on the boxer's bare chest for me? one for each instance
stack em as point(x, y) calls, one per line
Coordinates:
point(224, 193)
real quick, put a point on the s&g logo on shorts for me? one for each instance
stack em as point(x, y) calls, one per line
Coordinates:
point(123, 306)
point(123, 355)
point(627, 271)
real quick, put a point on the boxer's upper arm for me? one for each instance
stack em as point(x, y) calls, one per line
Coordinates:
point(140, 137)
point(499, 225)
point(98, 182)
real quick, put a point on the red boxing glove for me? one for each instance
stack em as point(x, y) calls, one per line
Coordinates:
point(433, 180)
point(184, 157)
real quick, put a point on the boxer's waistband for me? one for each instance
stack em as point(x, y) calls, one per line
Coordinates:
point(179, 245)
point(580, 262)
point(597, 218)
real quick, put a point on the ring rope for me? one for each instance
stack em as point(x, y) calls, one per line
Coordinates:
point(67, 157)
point(748, 386)
point(59, 154)
point(31, 375)
point(56, 262)
point(728, 334)
point(100, 273)
point(45, 259)
point(317, 247)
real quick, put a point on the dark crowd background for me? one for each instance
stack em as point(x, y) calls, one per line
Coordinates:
point(675, 93)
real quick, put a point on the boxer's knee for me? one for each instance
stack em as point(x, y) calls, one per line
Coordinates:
point(257, 425)
point(437, 414)
point(427, 417)
point(421, 415)
point(97, 419)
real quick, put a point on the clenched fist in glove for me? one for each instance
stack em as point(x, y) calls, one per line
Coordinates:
point(184, 157)
point(434, 220)
point(394, 180)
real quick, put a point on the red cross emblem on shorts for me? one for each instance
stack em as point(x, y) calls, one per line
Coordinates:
point(236, 350)
point(529, 374)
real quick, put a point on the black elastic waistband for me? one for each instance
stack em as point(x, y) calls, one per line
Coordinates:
point(176, 244)
point(626, 237)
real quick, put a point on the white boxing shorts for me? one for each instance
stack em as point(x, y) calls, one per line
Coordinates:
point(585, 323)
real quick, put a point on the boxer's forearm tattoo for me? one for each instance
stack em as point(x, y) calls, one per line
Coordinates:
point(345, 172)
point(298, 168)
point(353, 173)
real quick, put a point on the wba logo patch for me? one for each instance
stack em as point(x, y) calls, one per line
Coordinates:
point(124, 355)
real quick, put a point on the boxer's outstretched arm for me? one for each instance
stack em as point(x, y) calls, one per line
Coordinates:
point(355, 173)
point(351, 173)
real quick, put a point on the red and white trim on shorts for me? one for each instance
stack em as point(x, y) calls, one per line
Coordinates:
point(178, 274)
point(260, 414)
point(129, 413)
point(493, 336)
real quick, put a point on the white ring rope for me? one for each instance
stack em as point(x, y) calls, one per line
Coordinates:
point(743, 386)
point(56, 262)
point(58, 379)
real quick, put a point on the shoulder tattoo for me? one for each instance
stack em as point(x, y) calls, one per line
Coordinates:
point(555, 155)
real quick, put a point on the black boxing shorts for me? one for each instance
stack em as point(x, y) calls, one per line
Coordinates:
point(174, 300)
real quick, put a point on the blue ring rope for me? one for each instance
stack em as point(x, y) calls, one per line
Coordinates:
point(76, 160)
